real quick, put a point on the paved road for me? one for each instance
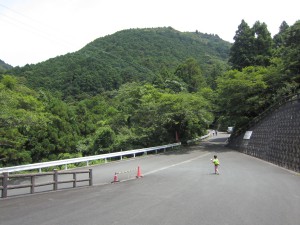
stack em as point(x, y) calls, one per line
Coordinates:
point(177, 188)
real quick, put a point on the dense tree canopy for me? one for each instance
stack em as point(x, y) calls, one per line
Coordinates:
point(191, 74)
point(278, 38)
point(252, 46)
point(291, 50)
point(268, 70)
point(37, 126)
point(263, 45)
point(242, 51)
point(240, 94)
point(141, 88)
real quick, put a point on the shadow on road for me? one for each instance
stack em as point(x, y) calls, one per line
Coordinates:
point(214, 144)
point(219, 140)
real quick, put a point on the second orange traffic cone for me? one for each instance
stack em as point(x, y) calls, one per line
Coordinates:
point(139, 173)
point(115, 178)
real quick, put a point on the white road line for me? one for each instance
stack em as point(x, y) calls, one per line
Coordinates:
point(177, 164)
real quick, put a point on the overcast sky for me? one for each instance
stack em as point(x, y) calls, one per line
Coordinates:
point(36, 30)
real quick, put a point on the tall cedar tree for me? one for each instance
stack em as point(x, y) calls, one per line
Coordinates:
point(241, 53)
point(252, 46)
point(263, 44)
point(291, 51)
point(278, 38)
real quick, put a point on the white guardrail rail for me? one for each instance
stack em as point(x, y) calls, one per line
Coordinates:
point(83, 159)
point(198, 139)
point(87, 159)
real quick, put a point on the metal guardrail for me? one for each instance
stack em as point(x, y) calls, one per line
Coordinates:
point(5, 178)
point(86, 159)
point(198, 139)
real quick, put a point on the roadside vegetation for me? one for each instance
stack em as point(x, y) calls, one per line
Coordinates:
point(141, 88)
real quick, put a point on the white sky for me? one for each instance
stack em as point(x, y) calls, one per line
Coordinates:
point(36, 30)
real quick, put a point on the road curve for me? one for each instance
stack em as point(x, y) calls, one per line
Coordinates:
point(176, 188)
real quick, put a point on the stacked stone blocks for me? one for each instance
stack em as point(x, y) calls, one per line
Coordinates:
point(276, 138)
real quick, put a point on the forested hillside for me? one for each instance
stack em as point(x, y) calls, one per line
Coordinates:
point(140, 55)
point(4, 66)
point(143, 87)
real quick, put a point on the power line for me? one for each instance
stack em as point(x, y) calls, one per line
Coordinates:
point(36, 29)
point(47, 35)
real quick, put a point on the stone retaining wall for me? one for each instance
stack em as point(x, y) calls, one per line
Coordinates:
point(276, 138)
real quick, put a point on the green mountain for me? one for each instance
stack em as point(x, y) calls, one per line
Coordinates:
point(4, 66)
point(129, 55)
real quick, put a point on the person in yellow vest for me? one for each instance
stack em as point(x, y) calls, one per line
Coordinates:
point(216, 162)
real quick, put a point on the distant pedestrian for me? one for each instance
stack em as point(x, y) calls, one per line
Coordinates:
point(213, 132)
point(216, 132)
point(216, 162)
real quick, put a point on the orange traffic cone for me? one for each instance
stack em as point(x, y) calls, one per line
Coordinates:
point(139, 173)
point(115, 178)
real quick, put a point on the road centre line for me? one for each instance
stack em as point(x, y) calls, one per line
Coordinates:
point(177, 164)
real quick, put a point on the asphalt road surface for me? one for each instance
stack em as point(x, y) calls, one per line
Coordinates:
point(177, 188)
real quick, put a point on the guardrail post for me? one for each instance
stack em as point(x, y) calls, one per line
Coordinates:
point(74, 180)
point(91, 177)
point(4, 184)
point(32, 184)
point(55, 179)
